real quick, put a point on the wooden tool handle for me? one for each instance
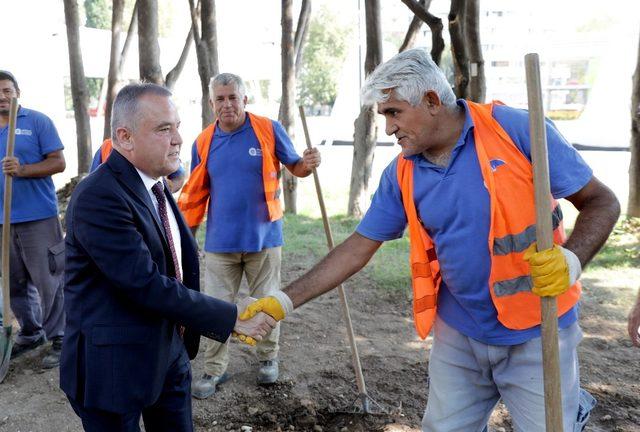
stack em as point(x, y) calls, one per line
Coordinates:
point(6, 224)
point(544, 239)
point(343, 297)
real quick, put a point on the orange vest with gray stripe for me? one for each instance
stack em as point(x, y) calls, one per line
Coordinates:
point(511, 232)
point(194, 197)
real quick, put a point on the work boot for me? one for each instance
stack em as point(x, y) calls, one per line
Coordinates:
point(268, 372)
point(52, 359)
point(19, 349)
point(206, 386)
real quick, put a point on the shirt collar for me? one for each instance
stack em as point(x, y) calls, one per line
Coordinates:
point(149, 182)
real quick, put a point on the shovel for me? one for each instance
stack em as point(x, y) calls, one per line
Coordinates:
point(544, 236)
point(6, 342)
point(362, 389)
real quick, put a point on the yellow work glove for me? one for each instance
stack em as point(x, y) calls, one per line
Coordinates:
point(553, 270)
point(269, 305)
point(244, 338)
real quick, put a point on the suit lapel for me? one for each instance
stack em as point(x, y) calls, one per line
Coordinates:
point(128, 176)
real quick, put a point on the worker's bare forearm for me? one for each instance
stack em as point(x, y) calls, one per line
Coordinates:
point(299, 169)
point(342, 262)
point(45, 168)
point(599, 210)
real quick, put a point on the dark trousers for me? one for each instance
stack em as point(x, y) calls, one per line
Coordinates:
point(170, 413)
point(37, 278)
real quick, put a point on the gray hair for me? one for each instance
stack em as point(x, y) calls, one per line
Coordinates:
point(125, 108)
point(409, 74)
point(227, 78)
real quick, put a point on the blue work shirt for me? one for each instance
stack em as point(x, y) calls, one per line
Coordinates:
point(454, 207)
point(237, 215)
point(34, 198)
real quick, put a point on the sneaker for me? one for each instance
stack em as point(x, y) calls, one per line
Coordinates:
point(52, 359)
point(19, 349)
point(206, 386)
point(268, 372)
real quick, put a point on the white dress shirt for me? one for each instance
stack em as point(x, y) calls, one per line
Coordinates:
point(173, 223)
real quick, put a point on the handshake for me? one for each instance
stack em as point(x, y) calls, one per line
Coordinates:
point(256, 318)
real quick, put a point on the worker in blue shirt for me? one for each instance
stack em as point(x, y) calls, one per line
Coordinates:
point(462, 183)
point(37, 245)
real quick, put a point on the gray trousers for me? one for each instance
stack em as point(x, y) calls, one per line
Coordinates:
point(37, 278)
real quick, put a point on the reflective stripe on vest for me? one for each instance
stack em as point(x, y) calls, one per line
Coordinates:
point(425, 269)
point(194, 198)
point(512, 227)
point(105, 150)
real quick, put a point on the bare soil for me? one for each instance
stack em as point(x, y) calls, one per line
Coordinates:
point(317, 389)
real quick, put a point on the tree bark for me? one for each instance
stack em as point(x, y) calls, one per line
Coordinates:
point(477, 82)
point(133, 27)
point(290, 182)
point(79, 92)
point(414, 27)
point(301, 33)
point(148, 47)
point(174, 73)
point(458, 48)
point(114, 63)
point(206, 51)
point(633, 208)
point(365, 134)
point(435, 25)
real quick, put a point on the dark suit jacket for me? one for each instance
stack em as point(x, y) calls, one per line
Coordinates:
point(121, 297)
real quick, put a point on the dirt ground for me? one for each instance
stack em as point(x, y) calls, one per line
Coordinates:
point(317, 390)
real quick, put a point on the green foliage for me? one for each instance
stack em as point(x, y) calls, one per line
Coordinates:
point(622, 250)
point(323, 55)
point(98, 13)
point(305, 237)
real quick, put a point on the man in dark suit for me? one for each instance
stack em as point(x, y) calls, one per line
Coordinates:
point(134, 310)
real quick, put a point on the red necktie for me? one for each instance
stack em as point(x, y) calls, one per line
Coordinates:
point(158, 191)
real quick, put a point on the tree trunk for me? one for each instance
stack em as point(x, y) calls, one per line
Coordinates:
point(114, 62)
point(414, 27)
point(633, 208)
point(206, 51)
point(365, 135)
point(79, 91)
point(133, 28)
point(301, 34)
point(174, 73)
point(289, 181)
point(458, 48)
point(435, 25)
point(148, 47)
point(477, 83)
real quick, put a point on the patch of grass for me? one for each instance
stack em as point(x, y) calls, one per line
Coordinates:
point(388, 267)
point(305, 236)
point(622, 249)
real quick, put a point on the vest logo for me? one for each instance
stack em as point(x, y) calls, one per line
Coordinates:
point(255, 151)
point(27, 132)
point(495, 163)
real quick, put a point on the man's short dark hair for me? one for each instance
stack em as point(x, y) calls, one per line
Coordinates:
point(6, 75)
point(125, 106)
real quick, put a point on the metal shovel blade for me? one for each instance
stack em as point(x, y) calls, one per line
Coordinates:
point(6, 344)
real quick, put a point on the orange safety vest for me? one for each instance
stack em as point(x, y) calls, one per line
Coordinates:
point(105, 150)
point(194, 197)
point(511, 232)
